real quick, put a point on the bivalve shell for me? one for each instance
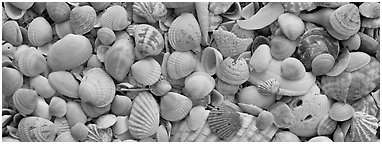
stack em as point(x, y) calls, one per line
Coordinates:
point(211, 59)
point(363, 127)
point(251, 95)
point(261, 58)
point(229, 44)
point(82, 19)
point(224, 122)
point(64, 83)
point(265, 120)
point(98, 135)
point(291, 25)
point(174, 106)
point(42, 109)
point(283, 116)
point(65, 137)
point(58, 11)
point(148, 41)
point(160, 88)
point(292, 69)
point(225, 88)
point(61, 124)
point(336, 87)
point(151, 11)
point(322, 64)
point(297, 7)
point(320, 139)
point(11, 33)
point(370, 9)
point(13, 12)
point(285, 136)
point(36, 129)
point(346, 20)
point(326, 126)
point(57, 107)
point(146, 71)
point(282, 47)
point(115, 18)
point(233, 72)
point(197, 117)
point(106, 36)
point(106, 121)
point(121, 126)
point(75, 114)
point(184, 33)
point(32, 62)
point(341, 111)
point(25, 100)
point(162, 134)
point(93, 111)
point(367, 104)
point(100, 5)
point(269, 87)
point(121, 105)
point(12, 80)
point(41, 85)
point(63, 29)
point(22, 5)
point(357, 61)
point(180, 64)
point(199, 84)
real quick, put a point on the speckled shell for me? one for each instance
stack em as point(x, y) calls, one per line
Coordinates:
point(346, 20)
point(341, 111)
point(151, 11)
point(100, 5)
point(12, 80)
point(229, 44)
point(260, 58)
point(174, 106)
point(336, 87)
point(106, 121)
point(11, 33)
point(69, 52)
point(224, 122)
point(82, 19)
point(367, 104)
point(326, 126)
point(370, 9)
point(121, 105)
point(282, 47)
point(322, 64)
point(97, 88)
point(25, 100)
point(363, 127)
point(291, 25)
point(75, 114)
point(265, 120)
point(144, 118)
point(58, 11)
point(13, 12)
point(93, 111)
point(148, 41)
point(233, 72)
point(115, 18)
point(32, 62)
point(65, 137)
point(199, 84)
point(292, 69)
point(64, 83)
point(41, 85)
point(269, 87)
point(36, 129)
point(180, 64)
point(106, 36)
point(357, 61)
point(63, 29)
point(146, 71)
point(184, 33)
point(297, 7)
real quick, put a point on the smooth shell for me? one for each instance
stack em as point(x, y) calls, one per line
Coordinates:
point(180, 64)
point(199, 84)
point(229, 44)
point(36, 129)
point(370, 9)
point(65, 137)
point(291, 25)
point(82, 19)
point(341, 111)
point(11, 33)
point(282, 47)
point(13, 12)
point(12, 80)
point(363, 127)
point(261, 58)
point(106, 121)
point(121, 105)
point(211, 58)
point(285, 136)
point(42, 109)
point(162, 134)
point(184, 33)
point(234, 72)
point(174, 106)
point(197, 117)
point(346, 20)
point(146, 71)
point(320, 139)
point(57, 107)
point(292, 69)
point(115, 18)
point(41, 85)
point(25, 100)
point(63, 29)
point(283, 116)
point(341, 63)
point(251, 95)
point(75, 114)
point(121, 126)
point(93, 111)
point(64, 83)
point(148, 41)
point(322, 64)
point(265, 120)
point(106, 36)
point(264, 17)
point(58, 11)
point(32, 62)
point(327, 126)
point(357, 61)
point(224, 122)
point(160, 88)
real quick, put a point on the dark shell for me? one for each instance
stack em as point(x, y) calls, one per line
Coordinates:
point(224, 121)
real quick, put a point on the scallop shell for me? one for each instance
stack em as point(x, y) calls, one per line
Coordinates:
point(115, 18)
point(160, 88)
point(65, 137)
point(41, 85)
point(36, 129)
point(369, 9)
point(58, 11)
point(224, 122)
point(121, 105)
point(282, 114)
point(121, 126)
point(93, 111)
point(25, 100)
point(285, 136)
point(151, 11)
point(363, 127)
point(326, 126)
point(11, 33)
point(13, 12)
point(75, 114)
point(357, 61)
point(106, 36)
point(42, 109)
point(63, 29)
point(292, 69)
point(146, 71)
point(144, 118)
point(58, 107)
point(367, 105)
point(211, 58)
point(174, 106)
point(148, 41)
point(97, 88)
point(184, 33)
point(297, 7)
point(98, 135)
point(229, 44)
point(368, 44)
point(100, 5)
point(225, 88)
point(31, 62)
point(265, 120)
point(180, 64)
point(12, 80)
point(282, 47)
point(322, 64)
point(291, 25)
point(269, 87)
point(264, 17)
point(199, 84)
point(261, 58)
point(106, 121)
point(233, 72)
point(346, 20)
point(82, 19)
point(64, 83)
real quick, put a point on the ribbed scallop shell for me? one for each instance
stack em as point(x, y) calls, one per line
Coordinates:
point(184, 33)
point(100, 5)
point(63, 29)
point(69, 52)
point(291, 25)
point(82, 19)
point(98, 135)
point(79, 131)
point(36, 129)
point(199, 84)
point(57, 107)
point(297, 7)
point(58, 11)
point(265, 120)
point(341, 111)
point(367, 105)
point(115, 18)
point(25, 100)
point(121, 105)
point(144, 118)
point(224, 122)
point(357, 61)
point(11, 33)
point(269, 87)
point(370, 9)
point(41, 85)
point(75, 114)
point(151, 11)
point(65, 137)
point(32, 62)
point(326, 126)
point(12, 80)
point(281, 47)
point(292, 69)
point(106, 36)
point(180, 64)
point(322, 64)
point(346, 20)
point(148, 41)
point(106, 121)
point(261, 58)
point(229, 44)
point(146, 71)
point(93, 111)
point(64, 83)
point(13, 12)
point(363, 127)
point(233, 72)
point(174, 106)
point(97, 88)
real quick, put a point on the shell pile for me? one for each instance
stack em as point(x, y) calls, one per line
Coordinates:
point(191, 71)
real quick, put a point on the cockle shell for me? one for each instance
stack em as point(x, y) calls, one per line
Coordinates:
point(211, 59)
point(265, 120)
point(234, 72)
point(357, 61)
point(58, 11)
point(369, 9)
point(115, 18)
point(363, 127)
point(229, 44)
point(75, 114)
point(93, 111)
point(13, 12)
point(25, 100)
point(94, 62)
point(341, 63)
point(264, 17)
point(41, 85)
point(184, 33)
point(100, 5)
point(283, 116)
point(98, 135)
point(322, 64)
point(11, 33)
point(160, 88)
point(42, 109)
point(341, 111)
point(346, 20)
point(174, 106)
point(224, 122)
point(285, 136)
point(121, 105)
point(261, 58)
point(297, 7)
point(225, 88)
point(106, 121)
point(36, 129)
point(106, 36)
point(367, 104)
point(282, 47)
point(57, 107)
point(292, 69)
point(146, 71)
point(61, 124)
point(151, 11)
point(32, 62)
point(199, 84)
point(65, 137)
point(148, 41)
point(251, 95)
point(64, 83)
point(63, 29)
point(326, 126)
point(144, 118)
point(12, 80)
point(291, 25)
point(180, 64)
point(269, 87)
point(97, 88)
point(82, 19)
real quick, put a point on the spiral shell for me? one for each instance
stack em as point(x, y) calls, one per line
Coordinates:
point(199, 84)
point(82, 19)
point(58, 11)
point(13, 12)
point(297, 7)
point(57, 107)
point(363, 127)
point(261, 58)
point(121, 105)
point(36, 129)
point(146, 71)
point(65, 137)
point(369, 9)
point(25, 100)
point(148, 41)
point(174, 106)
point(100, 5)
point(180, 64)
point(106, 36)
point(12, 80)
point(292, 69)
point(184, 33)
point(11, 33)
point(64, 83)
point(346, 20)
point(322, 64)
point(291, 25)
point(115, 18)
point(229, 44)
point(224, 122)
point(151, 11)
point(233, 72)
point(326, 126)
point(75, 114)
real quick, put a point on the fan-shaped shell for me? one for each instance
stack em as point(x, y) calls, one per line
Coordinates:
point(151, 11)
point(322, 64)
point(57, 107)
point(363, 127)
point(261, 58)
point(41, 85)
point(233, 72)
point(63, 29)
point(13, 12)
point(180, 64)
point(11, 33)
point(370, 9)
point(146, 71)
point(69, 52)
point(229, 44)
point(199, 84)
point(22, 5)
point(265, 120)
point(160, 88)
point(12, 80)
point(64, 83)
point(100, 5)
point(58, 11)
point(357, 61)
point(269, 87)
point(148, 41)
point(144, 117)
point(106, 36)
point(282, 47)
point(326, 126)
point(93, 111)
point(32, 62)
point(82, 19)
point(121, 105)
point(291, 25)
point(36, 129)
point(65, 137)
point(346, 20)
point(184, 33)
point(115, 18)
point(174, 106)
point(292, 69)
point(106, 121)
point(224, 122)
point(25, 100)
point(75, 114)
point(367, 104)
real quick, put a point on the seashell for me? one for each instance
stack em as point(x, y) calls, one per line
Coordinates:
point(265, 120)
point(174, 106)
point(197, 117)
point(326, 126)
point(367, 104)
point(337, 87)
point(82, 19)
point(160, 88)
point(39, 7)
point(31, 62)
point(248, 11)
point(281, 47)
point(177, 4)
point(292, 69)
point(161, 134)
point(121, 105)
point(106, 36)
point(233, 12)
point(11, 33)
point(322, 64)
point(12, 80)
point(148, 41)
point(13, 12)
point(285, 136)
point(353, 43)
point(251, 95)
point(369, 9)
point(204, 21)
point(64, 83)
point(233, 72)
point(151, 11)
point(331, 4)
point(370, 22)
point(144, 118)
point(214, 21)
point(199, 84)
point(184, 33)
point(341, 63)
point(338, 135)
point(106, 121)
point(261, 58)
point(98, 135)
point(363, 127)
point(146, 71)
point(58, 11)
point(97, 88)
point(75, 114)
point(22, 5)
point(100, 5)
point(63, 29)
point(219, 7)
point(211, 58)
point(65, 137)
point(36, 129)
point(42, 109)
point(57, 107)
point(61, 124)
point(41, 85)
point(297, 7)
point(250, 109)
point(10, 139)
point(242, 33)
point(283, 116)
point(320, 139)
point(94, 62)
point(357, 61)
point(93, 111)
point(346, 20)
point(224, 122)
point(114, 18)
point(180, 64)
point(264, 17)
point(225, 88)
point(25, 100)
point(121, 126)
point(229, 44)
point(291, 25)
point(269, 87)
point(368, 44)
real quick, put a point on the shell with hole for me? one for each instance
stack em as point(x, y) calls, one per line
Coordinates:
point(180, 64)
point(234, 72)
point(327, 126)
point(121, 105)
point(57, 107)
point(58, 11)
point(82, 19)
point(211, 58)
point(32, 62)
point(363, 127)
point(151, 11)
point(148, 40)
point(13, 12)
point(174, 106)
point(261, 58)
point(184, 33)
point(341, 111)
point(346, 20)
point(64, 83)
point(199, 84)
point(229, 44)
point(291, 25)
point(36, 129)
point(75, 114)
point(146, 71)
point(115, 18)
point(281, 47)
point(106, 36)
point(100, 5)
point(41, 85)
point(369, 9)
point(11, 33)
point(25, 100)
point(12, 80)
point(292, 69)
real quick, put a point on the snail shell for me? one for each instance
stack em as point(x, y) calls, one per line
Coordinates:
point(11, 33)
point(32, 62)
point(184, 33)
point(75, 114)
point(41, 85)
point(115, 18)
point(58, 11)
point(180, 64)
point(25, 100)
point(233, 72)
point(64, 83)
point(82, 19)
point(174, 106)
point(148, 41)
point(146, 71)
point(57, 107)
point(63, 29)
point(36, 129)
point(199, 84)
point(12, 80)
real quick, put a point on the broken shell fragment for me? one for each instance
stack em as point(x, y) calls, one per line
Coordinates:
point(229, 44)
point(265, 16)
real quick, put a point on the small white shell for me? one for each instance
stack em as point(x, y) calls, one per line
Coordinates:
point(115, 18)
point(57, 107)
point(41, 85)
point(174, 106)
point(180, 64)
point(121, 125)
point(39, 32)
point(64, 83)
point(261, 58)
point(42, 109)
point(146, 71)
point(32, 62)
point(233, 72)
point(106, 121)
point(199, 84)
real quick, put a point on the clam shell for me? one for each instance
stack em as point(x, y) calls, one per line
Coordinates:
point(121, 105)
point(106, 36)
point(326, 126)
point(233, 72)
point(265, 120)
point(370, 22)
point(58, 107)
point(82, 19)
point(180, 64)
point(285, 136)
point(11, 33)
point(151, 11)
point(197, 117)
point(63, 29)
point(58, 11)
point(291, 25)
point(269, 87)
point(106, 121)
point(36, 129)
point(346, 20)
point(338, 135)
point(12, 80)
point(225, 88)
point(65, 137)
point(184, 33)
point(297, 7)
point(199, 84)
point(282, 47)
point(93, 111)
point(174, 106)
point(94, 62)
point(229, 44)
point(42, 109)
point(368, 44)
point(261, 58)
point(22, 5)
point(367, 105)
point(204, 21)
point(251, 95)
point(363, 127)
point(224, 122)
point(121, 125)
point(162, 135)
point(357, 61)
point(353, 43)
point(211, 58)
point(341, 63)
point(292, 69)
point(79, 131)
point(64, 83)
point(264, 17)
point(341, 111)
point(25, 100)
point(13, 12)
point(148, 41)
point(100, 5)
point(336, 87)
point(114, 18)
point(369, 9)
point(41, 85)
point(75, 114)
point(160, 88)
point(32, 62)
point(39, 7)
point(146, 71)
point(283, 116)
point(322, 64)
point(144, 118)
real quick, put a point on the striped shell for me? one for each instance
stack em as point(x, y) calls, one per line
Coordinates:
point(144, 118)
point(282, 47)
point(357, 61)
point(269, 87)
point(363, 127)
point(32, 62)
point(160, 88)
point(41, 85)
point(65, 137)
point(199, 84)
point(42, 109)
point(229, 44)
point(36, 129)
point(115, 18)
point(322, 64)
point(25, 100)
point(341, 63)
point(106, 121)
point(180, 64)
point(292, 69)
point(265, 120)
point(148, 41)
point(326, 126)
point(98, 135)
point(368, 45)
point(368, 105)
point(58, 11)
point(341, 111)
point(370, 9)
point(61, 124)
point(57, 107)
point(291, 25)
point(100, 5)
point(225, 88)
point(184, 33)
point(146, 71)
point(11, 33)
point(346, 20)
point(224, 122)
point(12, 80)
point(93, 111)
point(63, 29)
point(251, 95)
point(64, 83)
point(82, 19)
point(97, 88)
point(174, 106)
point(75, 114)
point(297, 7)
point(69, 52)
point(211, 58)
point(121, 105)
point(233, 72)
point(261, 58)
point(106, 36)
point(13, 12)
point(151, 11)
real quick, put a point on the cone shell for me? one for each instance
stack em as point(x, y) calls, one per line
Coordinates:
point(25, 100)
point(115, 18)
point(100, 5)
point(184, 33)
point(229, 44)
point(357, 61)
point(233, 72)
point(363, 127)
point(63, 29)
point(41, 85)
point(261, 58)
point(326, 126)
point(144, 117)
point(146, 71)
point(180, 64)
point(65, 137)
point(148, 41)
point(36, 129)
point(160, 88)
point(346, 20)
point(322, 64)
point(75, 114)
point(82, 19)
point(12, 80)
point(106, 121)
point(291, 25)
point(13, 12)
point(282, 47)
point(64, 83)
point(121, 105)
point(292, 69)
point(57, 107)
point(265, 120)
point(224, 122)
point(58, 11)
point(11, 33)
point(269, 87)
point(106, 36)
point(370, 9)
point(174, 106)
point(199, 84)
